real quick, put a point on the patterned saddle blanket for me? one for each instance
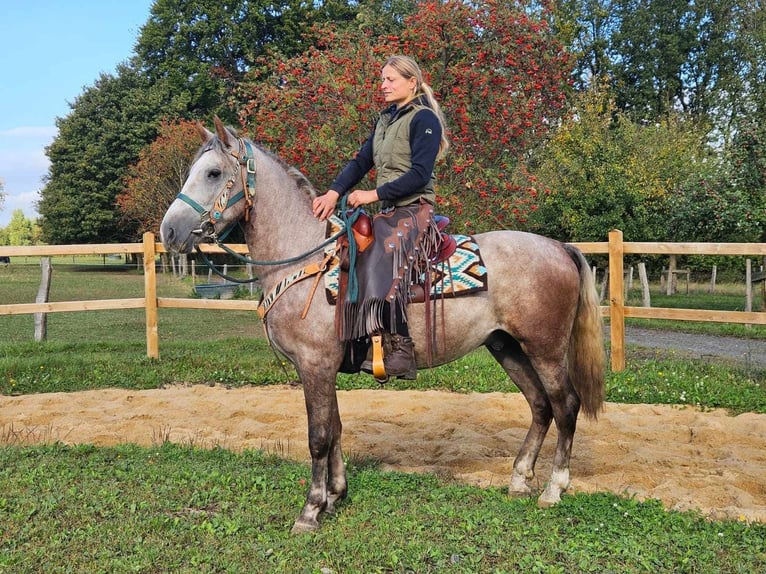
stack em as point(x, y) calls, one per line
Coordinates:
point(463, 273)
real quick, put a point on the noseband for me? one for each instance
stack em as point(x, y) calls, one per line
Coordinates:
point(209, 218)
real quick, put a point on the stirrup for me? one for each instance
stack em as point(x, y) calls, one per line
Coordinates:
point(378, 368)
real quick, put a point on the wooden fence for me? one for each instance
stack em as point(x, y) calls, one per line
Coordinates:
point(616, 310)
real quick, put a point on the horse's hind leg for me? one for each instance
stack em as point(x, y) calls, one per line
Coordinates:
point(565, 404)
point(508, 353)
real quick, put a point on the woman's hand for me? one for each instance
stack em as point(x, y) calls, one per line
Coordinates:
point(362, 197)
point(324, 205)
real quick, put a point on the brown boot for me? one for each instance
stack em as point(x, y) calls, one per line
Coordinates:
point(367, 363)
point(400, 362)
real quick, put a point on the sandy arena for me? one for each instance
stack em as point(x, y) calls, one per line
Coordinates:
point(686, 458)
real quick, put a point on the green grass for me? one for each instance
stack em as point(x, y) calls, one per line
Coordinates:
point(727, 297)
point(97, 349)
point(177, 508)
point(173, 508)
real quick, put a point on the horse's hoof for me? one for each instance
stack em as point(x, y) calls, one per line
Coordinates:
point(518, 488)
point(548, 499)
point(304, 526)
point(546, 503)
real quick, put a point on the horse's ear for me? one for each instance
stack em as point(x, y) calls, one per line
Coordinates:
point(223, 133)
point(203, 132)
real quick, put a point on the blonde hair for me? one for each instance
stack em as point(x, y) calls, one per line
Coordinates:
point(409, 68)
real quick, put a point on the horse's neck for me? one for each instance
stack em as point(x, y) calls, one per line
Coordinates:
point(283, 226)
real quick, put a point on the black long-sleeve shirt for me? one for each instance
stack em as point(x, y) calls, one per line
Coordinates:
point(425, 138)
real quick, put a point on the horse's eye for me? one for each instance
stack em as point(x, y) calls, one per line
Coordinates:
point(214, 173)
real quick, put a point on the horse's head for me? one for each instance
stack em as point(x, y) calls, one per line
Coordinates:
point(216, 193)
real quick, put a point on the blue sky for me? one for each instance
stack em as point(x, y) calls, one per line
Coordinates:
point(50, 50)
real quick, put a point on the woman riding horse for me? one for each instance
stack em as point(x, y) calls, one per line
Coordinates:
point(403, 148)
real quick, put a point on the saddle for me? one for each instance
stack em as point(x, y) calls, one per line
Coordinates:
point(364, 236)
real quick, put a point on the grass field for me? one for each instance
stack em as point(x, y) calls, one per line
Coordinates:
point(176, 508)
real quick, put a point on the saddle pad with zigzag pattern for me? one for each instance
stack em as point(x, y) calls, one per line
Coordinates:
point(462, 274)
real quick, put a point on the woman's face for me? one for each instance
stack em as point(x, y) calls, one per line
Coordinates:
point(396, 88)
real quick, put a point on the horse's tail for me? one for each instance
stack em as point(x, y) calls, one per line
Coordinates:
point(586, 357)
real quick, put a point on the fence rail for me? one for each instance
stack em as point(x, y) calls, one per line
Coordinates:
point(616, 310)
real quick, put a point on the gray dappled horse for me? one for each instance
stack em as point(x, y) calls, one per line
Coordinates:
point(539, 317)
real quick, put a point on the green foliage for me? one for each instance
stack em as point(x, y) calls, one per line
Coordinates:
point(499, 73)
point(725, 200)
point(745, 180)
point(203, 49)
point(601, 171)
point(153, 182)
point(189, 56)
point(109, 125)
point(704, 60)
point(20, 230)
point(303, 78)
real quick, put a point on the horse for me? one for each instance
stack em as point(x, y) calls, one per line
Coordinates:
point(539, 316)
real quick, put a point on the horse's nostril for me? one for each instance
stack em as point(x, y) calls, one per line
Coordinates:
point(167, 234)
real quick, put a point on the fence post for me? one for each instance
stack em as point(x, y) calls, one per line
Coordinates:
point(41, 319)
point(616, 300)
point(150, 292)
point(646, 297)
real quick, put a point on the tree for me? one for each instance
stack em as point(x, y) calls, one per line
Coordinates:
point(587, 28)
point(188, 57)
point(156, 179)
point(108, 126)
point(602, 171)
point(204, 48)
point(742, 183)
point(2, 194)
point(498, 72)
point(20, 230)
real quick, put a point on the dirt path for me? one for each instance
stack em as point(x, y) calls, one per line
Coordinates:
point(747, 352)
point(688, 459)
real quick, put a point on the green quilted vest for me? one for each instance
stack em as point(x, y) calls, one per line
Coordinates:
point(391, 154)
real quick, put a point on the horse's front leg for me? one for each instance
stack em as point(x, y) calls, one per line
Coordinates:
point(328, 470)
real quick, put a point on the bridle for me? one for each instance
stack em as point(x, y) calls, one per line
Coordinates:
point(244, 159)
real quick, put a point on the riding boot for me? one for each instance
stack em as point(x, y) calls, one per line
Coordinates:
point(400, 362)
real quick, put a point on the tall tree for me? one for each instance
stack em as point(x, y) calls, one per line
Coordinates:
point(155, 180)
point(108, 126)
point(587, 28)
point(204, 47)
point(188, 57)
point(498, 72)
point(603, 171)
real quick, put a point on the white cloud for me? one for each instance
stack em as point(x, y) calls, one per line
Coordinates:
point(32, 132)
point(23, 164)
point(22, 161)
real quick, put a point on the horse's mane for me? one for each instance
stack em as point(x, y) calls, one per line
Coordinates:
point(297, 176)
